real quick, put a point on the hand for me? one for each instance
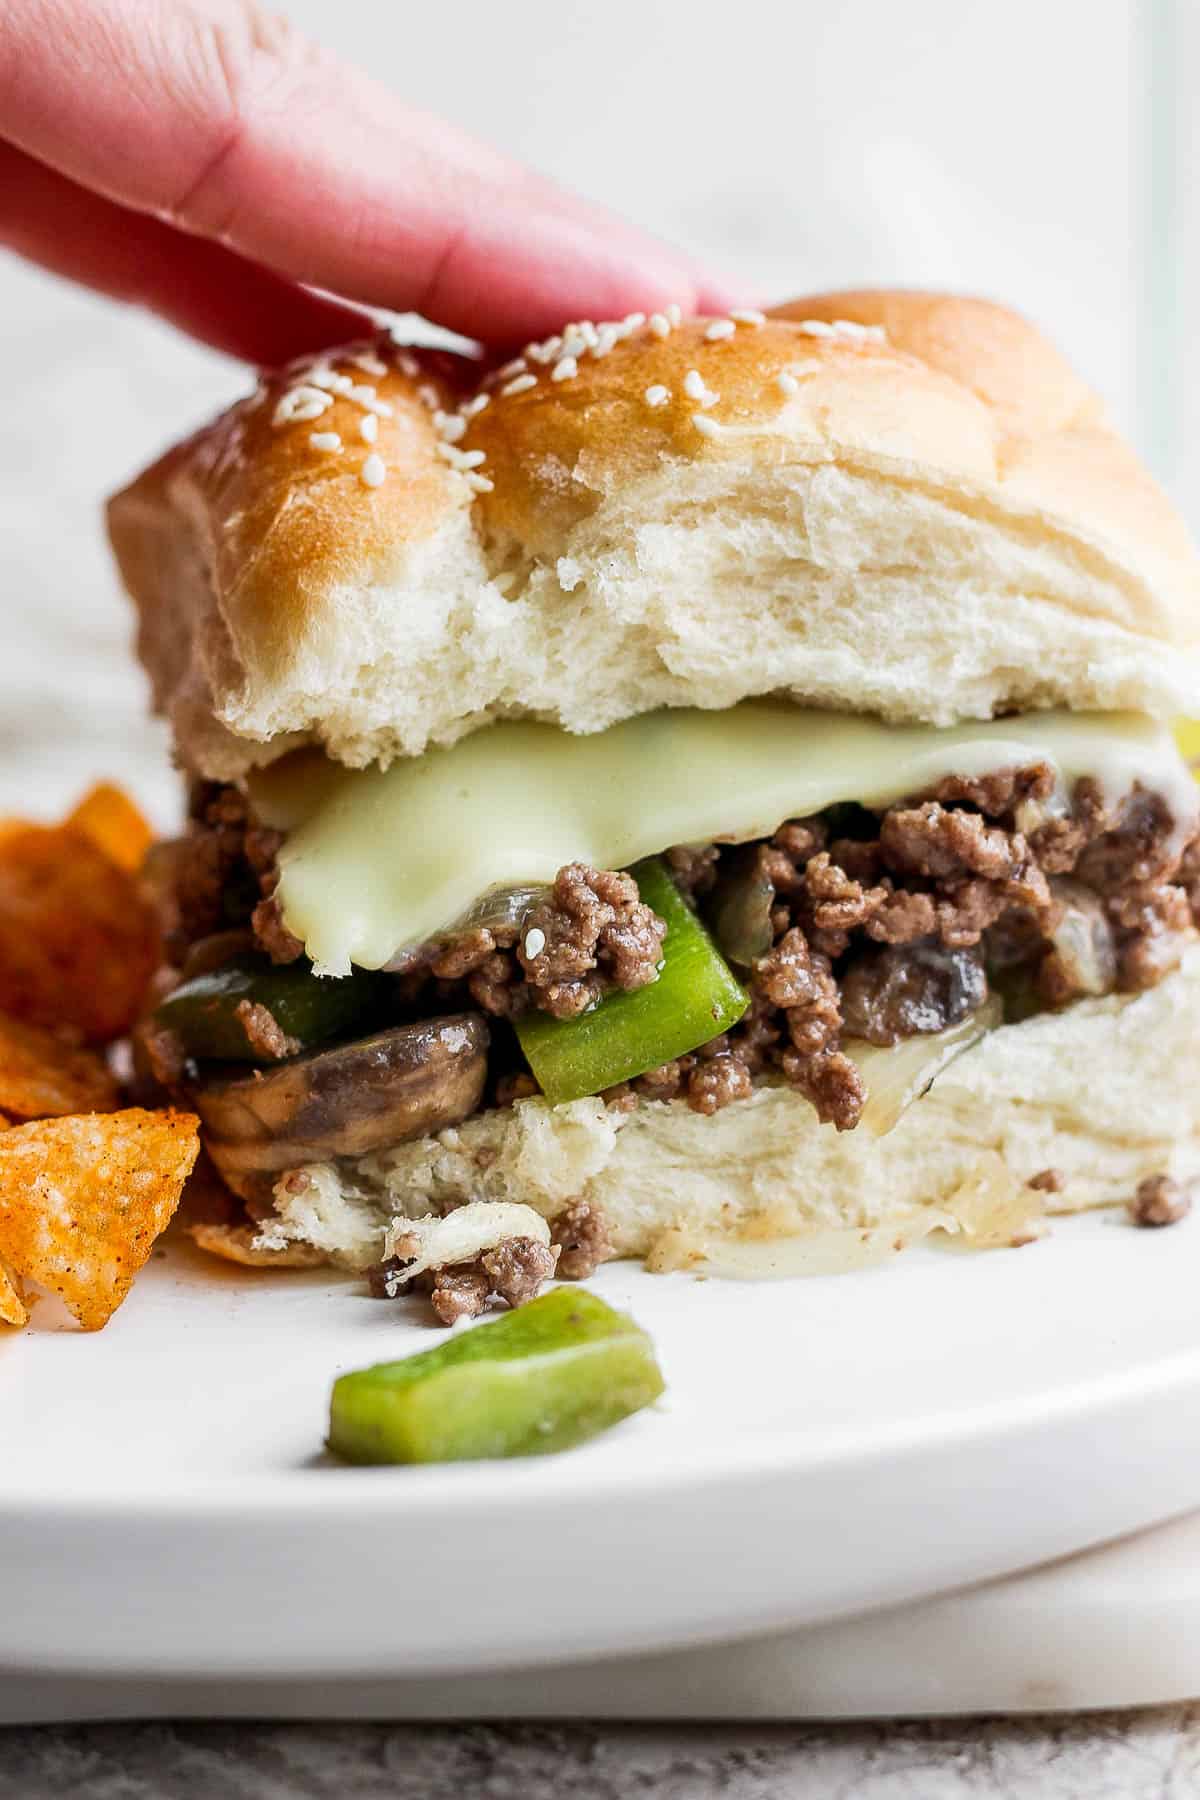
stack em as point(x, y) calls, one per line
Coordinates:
point(201, 158)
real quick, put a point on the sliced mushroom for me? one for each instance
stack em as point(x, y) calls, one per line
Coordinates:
point(344, 1101)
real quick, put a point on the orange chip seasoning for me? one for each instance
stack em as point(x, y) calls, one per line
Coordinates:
point(12, 1307)
point(40, 1076)
point(83, 1198)
point(111, 819)
point(78, 939)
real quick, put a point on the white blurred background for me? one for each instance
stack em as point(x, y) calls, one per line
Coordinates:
point(1040, 151)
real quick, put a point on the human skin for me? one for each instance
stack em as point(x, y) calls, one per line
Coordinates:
point(205, 160)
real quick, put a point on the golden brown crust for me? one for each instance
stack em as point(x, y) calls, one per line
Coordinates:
point(281, 523)
point(556, 450)
point(278, 592)
point(1054, 447)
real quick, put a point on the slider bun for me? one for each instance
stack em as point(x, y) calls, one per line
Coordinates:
point(925, 515)
point(1093, 1092)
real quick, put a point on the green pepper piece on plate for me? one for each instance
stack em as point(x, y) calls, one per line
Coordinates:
point(545, 1377)
point(695, 997)
point(308, 1008)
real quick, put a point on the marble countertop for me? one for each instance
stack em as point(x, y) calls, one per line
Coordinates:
point(1153, 1755)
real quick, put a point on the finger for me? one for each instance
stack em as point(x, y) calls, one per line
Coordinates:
point(206, 290)
point(221, 118)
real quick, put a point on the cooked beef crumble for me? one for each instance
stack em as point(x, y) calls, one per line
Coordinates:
point(873, 926)
point(1160, 1200)
point(581, 1234)
point(514, 1272)
point(589, 935)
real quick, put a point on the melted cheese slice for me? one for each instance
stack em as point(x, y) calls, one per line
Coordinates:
point(377, 860)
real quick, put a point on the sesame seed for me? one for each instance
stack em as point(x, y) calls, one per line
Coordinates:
point(787, 382)
point(564, 369)
point(632, 320)
point(574, 344)
point(674, 313)
point(330, 379)
point(545, 352)
point(815, 328)
point(479, 483)
point(657, 394)
point(300, 404)
point(747, 315)
point(695, 387)
point(366, 397)
point(368, 362)
point(408, 364)
point(450, 426)
point(660, 325)
point(535, 942)
point(325, 440)
point(460, 459)
point(373, 471)
point(707, 427)
point(520, 384)
point(850, 328)
point(368, 428)
point(606, 339)
point(720, 328)
point(515, 367)
point(470, 408)
point(428, 395)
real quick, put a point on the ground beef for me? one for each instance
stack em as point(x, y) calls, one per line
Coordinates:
point(460, 1293)
point(264, 1033)
point(889, 924)
point(1004, 792)
point(517, 1268)
point(271, 934)
point(1159, 1200)
point(590, 934)
point(513, 1272)
point(582, 1236)
point(863, 925)
point(222, 873)
point(694, 867)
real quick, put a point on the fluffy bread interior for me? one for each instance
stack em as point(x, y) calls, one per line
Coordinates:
point(1093, 1092)
point(892, 503)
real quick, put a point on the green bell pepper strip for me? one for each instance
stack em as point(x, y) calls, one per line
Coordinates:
point(545, 1377)
point(695, 997)
point(307, 1008)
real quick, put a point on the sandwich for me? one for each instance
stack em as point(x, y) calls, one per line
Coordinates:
point(705, 792)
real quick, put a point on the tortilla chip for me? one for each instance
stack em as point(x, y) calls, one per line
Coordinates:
point(235, 1244)
point(12, 1307)
point(41, 1077)
point(114, 823)
point(215, 1219)
point(78, 940)
point(83, 1198)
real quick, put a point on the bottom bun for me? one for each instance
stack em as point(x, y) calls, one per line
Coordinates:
point(1103, 1094)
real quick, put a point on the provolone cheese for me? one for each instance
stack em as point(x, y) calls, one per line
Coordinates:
point(377, 860)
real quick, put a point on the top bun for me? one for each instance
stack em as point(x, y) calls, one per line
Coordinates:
point(898, 503)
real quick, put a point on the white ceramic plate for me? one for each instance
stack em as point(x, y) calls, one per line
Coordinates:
point(827, 1446)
